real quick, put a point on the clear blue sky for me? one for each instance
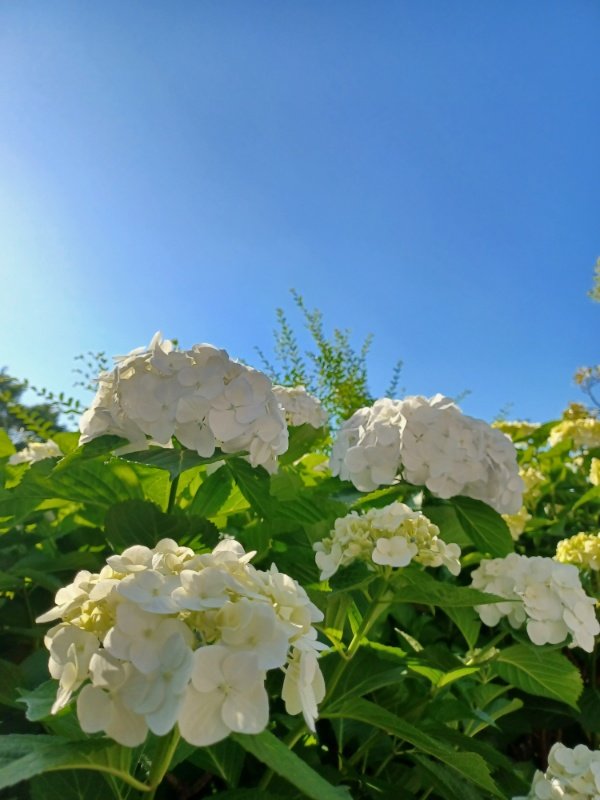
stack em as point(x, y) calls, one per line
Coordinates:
point(425, 171)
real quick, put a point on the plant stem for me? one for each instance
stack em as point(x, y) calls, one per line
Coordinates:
point(162, 760)
point(172, 494)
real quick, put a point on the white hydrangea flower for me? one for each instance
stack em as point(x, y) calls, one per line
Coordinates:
point(572, 774)
point(162, 636)
point(200, 396)
point(553, 604)
point(300, 407)
point(391, 536)
point(36, 451)
point(227, 693)
point(428, 442)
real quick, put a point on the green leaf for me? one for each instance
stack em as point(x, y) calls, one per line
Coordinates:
point(469, 765)
point(141, 522)
point(445, 517)
point(446, 783)
point(270, 751)
point(22, 756)
point(468, 623)
point(538, 671)
point(212, 494)
point(416, 586)
point(254, 484)
point(172, 459)
point(302, 439)
point(224, 759)
point(70, 785)
point(484, 526)
point(7, 448)
point(102, 446)
point(350, 577)
point(591, 496)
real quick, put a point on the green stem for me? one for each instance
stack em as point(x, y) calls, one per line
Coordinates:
point(162, 760)
point(172, 494)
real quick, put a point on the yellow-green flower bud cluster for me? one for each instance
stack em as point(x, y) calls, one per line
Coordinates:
point(582, 550)
point(391, 536)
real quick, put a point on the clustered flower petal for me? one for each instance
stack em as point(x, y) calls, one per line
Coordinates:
point(36, 451)
point(583, 432)
point(201, 396)
point(428, 442)
point(594, 476)
point(543, 594)
point(300, 407)
point(390, 536)
point(162, 636)
point(582, 550)
point(572, 774)
point(517, 522)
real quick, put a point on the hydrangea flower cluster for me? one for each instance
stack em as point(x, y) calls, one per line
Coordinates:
point(36, 451)
point(583, 432)
point(163, 636)
point(201, 396)
point(300, 407)
point(553, 604)
point(429, 442)
point(582, 550)
point(572, 774)
point(516, 429)
point(390, 536)
point(533, 480)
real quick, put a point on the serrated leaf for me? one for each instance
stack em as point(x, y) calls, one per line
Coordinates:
point(7, 448)
point(225, 759)
point(350, 577)
point(538, 671)
point(102, 446)
point(468, 623)
point(416, 586)
point(38, 702)
point(270, 751)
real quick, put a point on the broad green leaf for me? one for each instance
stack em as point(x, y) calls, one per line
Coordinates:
point(469, 765)
point(247, 794)
point(351, 576)
point(225, 759)
point(445, 782)
point(590, 710)
point(7, 448)
point(468, 623)
point(253, 483)
point(70, 785)
point(417, 586)
point(270, 751)
point(538, 671)
point(141, 522)
point(484, 526)
point(22, 756)
point(212, 494)
point(365, 673)
point(172, 459)
point(302, 439)
point(102, 446)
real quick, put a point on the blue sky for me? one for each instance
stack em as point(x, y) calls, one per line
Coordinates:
point(426, 172)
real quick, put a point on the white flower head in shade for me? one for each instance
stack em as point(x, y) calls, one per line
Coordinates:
point(300, 407)
point(36, 451)
point(428, 442)
point(162, 636)
point(390, 536)
point(201, 396)
point(572, 774)
point(550, 600)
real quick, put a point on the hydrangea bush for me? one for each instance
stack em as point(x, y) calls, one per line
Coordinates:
point(209, 593)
